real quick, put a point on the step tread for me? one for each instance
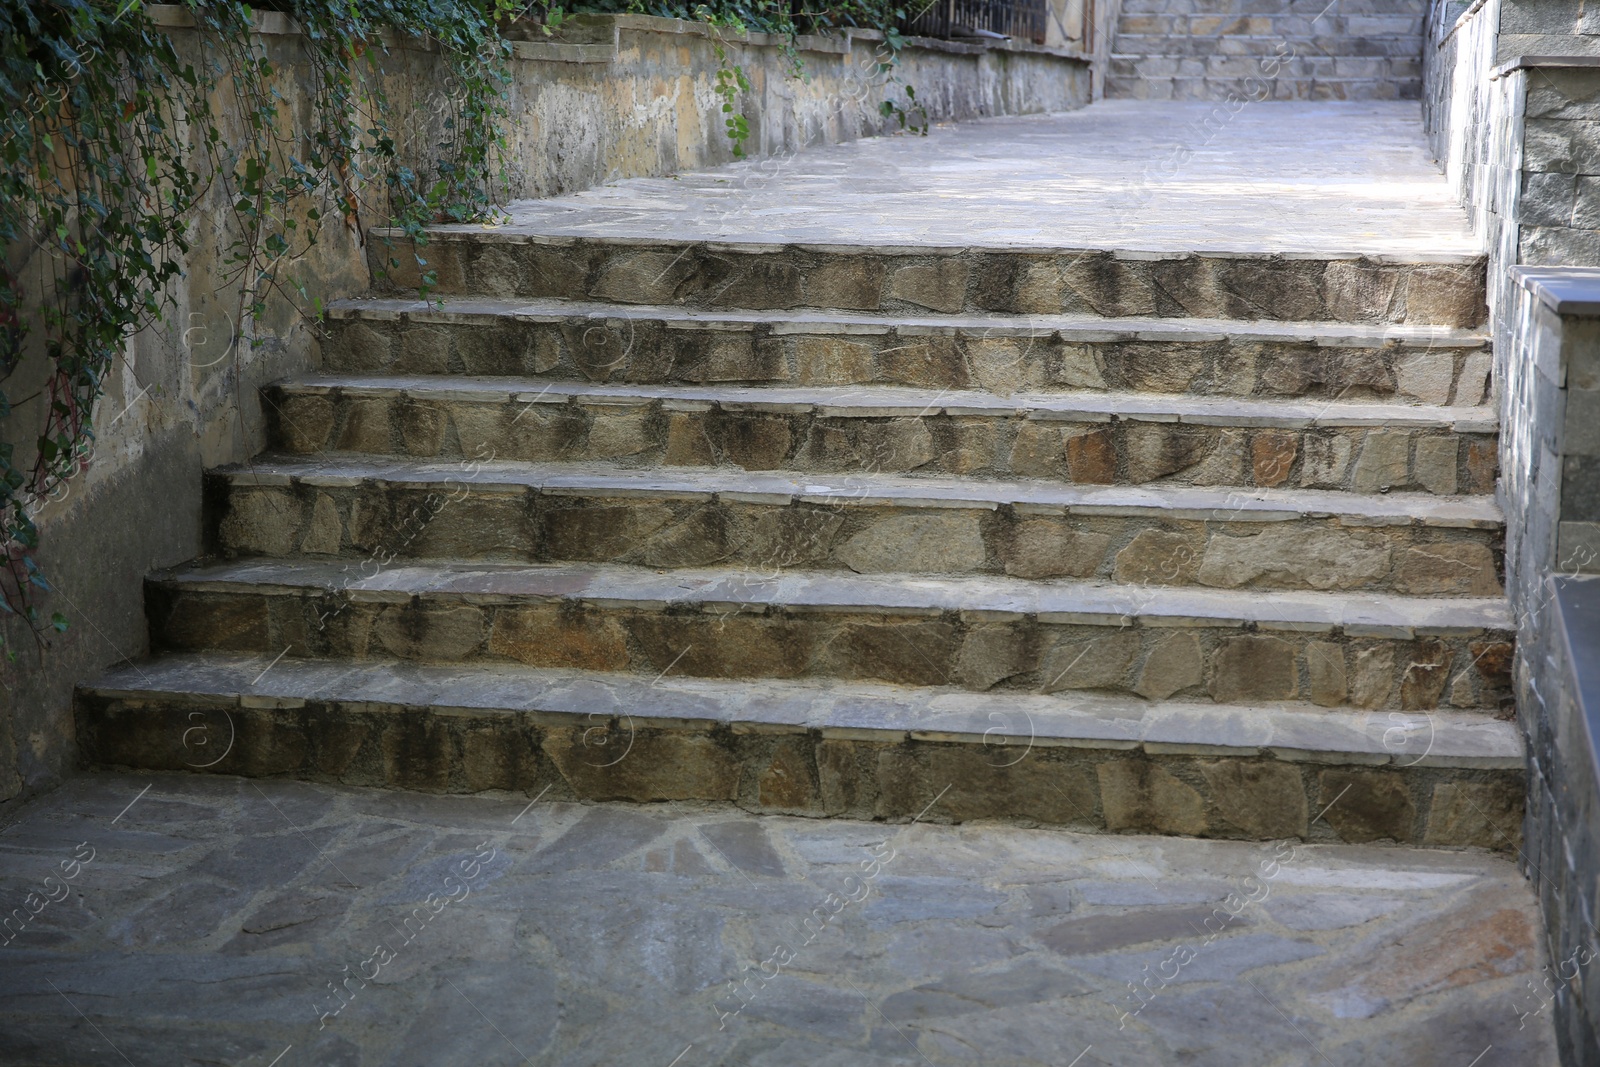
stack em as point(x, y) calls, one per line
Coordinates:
point(877, 488)
point(991, 597)
point(863, 711)
point(866, 401)
point(1071, 327)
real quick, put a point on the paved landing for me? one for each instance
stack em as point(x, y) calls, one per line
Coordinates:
point(1160, 176)
point(226, 921)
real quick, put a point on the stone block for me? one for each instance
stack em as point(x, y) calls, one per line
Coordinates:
point(829, 360)
point(261, 522)
point(902, 652)
point(838, 776)
point(1094, 663)
point(1092, 458)
point(657, 765)
point(1367, 805)
point(430, 632)
point(1426, 674)
point(599, 530)
point(1174, 664)
point(753, 281)
point(1385, 461)
point(303, 422)
point(1295, 557)
point(787, 783)
point(1445, 295)
point(1483, 466)
point(991, 654)
point(1264, 799)
point(1465, 568)
point(324, 533)
point(1327, 462)
point(1038, 451)
point(1141, 796)
point(847, 282)
point(422, 425)
point(940, 285)
point(551, 636)
point(1426, 376)
point(366, 426)
point(937, 541)
point(1476, 814)
point(646, 277)
point(1326, 668)
point(1253, 669)
point(984, 783)
point(688, 444)
point(735, 646)
point(1156, 450)
point(1272, 454)
point(1435, 466)
point(1160, 557)
point(756, 443)
point(1372, 679)
point(1049, 548)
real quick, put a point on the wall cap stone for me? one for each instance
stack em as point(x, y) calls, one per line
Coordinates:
point(1564, 290)
point(1577, 603)
point(1529, 62)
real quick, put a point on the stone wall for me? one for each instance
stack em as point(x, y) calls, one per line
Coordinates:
point(612, 97)
point(1512, 106)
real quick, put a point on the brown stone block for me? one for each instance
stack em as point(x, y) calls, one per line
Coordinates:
point(353, 345)
point(688, 444)
point(940, 284)
point(1264, 799)
point(1482, 814)
point(1461, 567)
point(1272, 454)
point(839, 776)
point(303, 422)
point(1038, 451)
point(1253, 669)
point(1325, 664)
point(906, 652)
point(423, 349)
point(273, 741)
point(1156, 450)
point(992, 653)
point(417, 750)
point(1493, 660)
point(264, 521)
point(599, 530)
point(928, 541)
point(334, 626)
point(1425, 676)
point(697, 539)
point(733, 646)
point(1050, 548)
point(1287, 290)
point(1160, 557)
point(1188, 287)
point(507, 348)
point(1367, 805)
point(801, 535)
point(499, 752)
point(754, 442)
point(325, 531)
point(1142, 796)
point(554, 271)
point(1358, 291)
point(1006, 364)
point(655, 765)
point(558, 636)
point(618, 433)
point(1160, 368)
point(1092, 458)
point(1175, 664)
point(848, 282)
point(422, 424)
point(1096, 663)
point(439, 632)
point(754, 281)
point(998, 782)
point(1446, 295)
point(1373, 678)
point(787, 783)
point(1483, 466)
point(212, 621)
point(648, 277)
point(474, 527)
point(829, 360)
point(933, 362)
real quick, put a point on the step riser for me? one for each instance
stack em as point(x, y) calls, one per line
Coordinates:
point(1086, 450)
point(667, 530)
point(1179, 285)
point(1186, 658)
point(875, 775)
point(648, 351)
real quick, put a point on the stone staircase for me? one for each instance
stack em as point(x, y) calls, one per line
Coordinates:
point(1191, 543)
point(1306, 50)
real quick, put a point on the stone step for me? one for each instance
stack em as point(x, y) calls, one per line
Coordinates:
point(1083, 438)
point(1444, 289)
point(352, 506)
point(836, 749)
point(588, 341)
point(979, 632)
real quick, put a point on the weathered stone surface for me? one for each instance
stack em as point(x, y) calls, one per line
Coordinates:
point(1372, 680)
point(1038, 451)
point(552, 637)
point(829, 360)
point(936, 542)
point(1264, 799)
point(788, 783)
point(1049, 548)
point(656, 766)
point(422, 427)
point(906, 653)
point(1159, 557)
point(1272, 454)
point(941, 285)
point(261, 521)
point(855, 282)
point(1427, 376)
point(755, 443)
point(1253, 669)
point(1156, 450)
point(1327, 461)
point(735, 646)
point(688, 444)
point(984, 783)
point(324, 532)
point(1435, 466)
point(1367, 805)
point(1385, 461)
point(1092, 457)
point(1480, 814)
point(1295, 558)
point(303, 422)
point(1458, 567)
point(1483, 466)
point(1095, 663)
point(992, 653)
point(1174, 664)
point(430, 631)
point(1326, 667)
point(1142, 796)
point(1426, 673)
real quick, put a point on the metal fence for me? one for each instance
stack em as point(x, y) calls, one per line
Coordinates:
point(1021, 19)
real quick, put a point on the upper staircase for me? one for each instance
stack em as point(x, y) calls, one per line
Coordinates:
point(1195, 541)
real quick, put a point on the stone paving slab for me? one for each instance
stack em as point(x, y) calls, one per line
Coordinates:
point(1277, 177)
point(218, 920)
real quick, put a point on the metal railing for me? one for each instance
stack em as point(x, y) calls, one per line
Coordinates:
point(1021, 19)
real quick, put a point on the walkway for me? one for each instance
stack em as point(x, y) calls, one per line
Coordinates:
point(218, 915)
